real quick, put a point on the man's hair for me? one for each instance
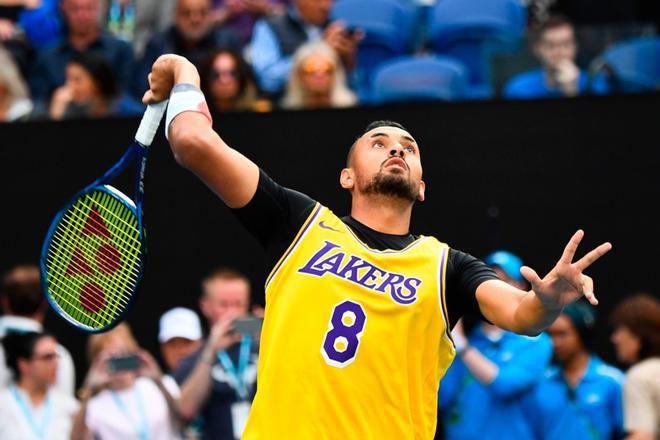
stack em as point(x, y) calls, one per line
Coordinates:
point(553, 22)
point(641, 315)
point(22, 288)
point(226, 274)
point(19, 346)
point(371, 126)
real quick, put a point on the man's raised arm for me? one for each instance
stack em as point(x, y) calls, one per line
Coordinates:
point(232, 176)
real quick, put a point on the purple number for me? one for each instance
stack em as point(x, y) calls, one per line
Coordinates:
point(343, 337)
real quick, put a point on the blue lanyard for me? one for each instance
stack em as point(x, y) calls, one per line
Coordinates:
point(236, 374)
point(140, 426)
point(39, 430)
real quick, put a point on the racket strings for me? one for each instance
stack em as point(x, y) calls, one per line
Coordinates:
point(109, 234)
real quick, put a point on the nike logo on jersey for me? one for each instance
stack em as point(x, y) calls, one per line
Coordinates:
point(324, 226)
point(330, 259)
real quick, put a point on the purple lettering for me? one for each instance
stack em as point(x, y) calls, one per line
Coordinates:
point(309, 267)
point(392, 280)
point(350, 271)
point(371, 276)
point(411, 284)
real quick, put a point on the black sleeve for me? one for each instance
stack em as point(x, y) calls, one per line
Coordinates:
point(274, 216)
point(464, 274)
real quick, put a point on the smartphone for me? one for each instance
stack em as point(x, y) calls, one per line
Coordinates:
point(129, 362)
point(248, 325)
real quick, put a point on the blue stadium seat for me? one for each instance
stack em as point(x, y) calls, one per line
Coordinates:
point(633, 66)
point(388, 27)
point(471, 30)
point(428, 78)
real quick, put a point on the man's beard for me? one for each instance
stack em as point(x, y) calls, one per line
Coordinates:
point(393, 185)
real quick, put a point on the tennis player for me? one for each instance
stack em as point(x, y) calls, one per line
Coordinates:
point(356, 332)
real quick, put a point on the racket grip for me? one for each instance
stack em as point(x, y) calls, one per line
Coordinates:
point(150, 122)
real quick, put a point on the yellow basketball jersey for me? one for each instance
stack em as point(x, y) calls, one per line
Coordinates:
point(354, 341)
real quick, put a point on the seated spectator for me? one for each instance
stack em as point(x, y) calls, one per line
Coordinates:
point(179, 334)
point(277, 37)
point(123, 396)
point(482, 395)
point(636, 338)
point(228, 83)
point(317, 79)
point(25, 309)
point(31, 408)
point(554, 44)
point(151, 17)
point(580, 396)
point(193, 36)
point(240, 15)
point(15, 104)
point(91, 91)
point(83, 34)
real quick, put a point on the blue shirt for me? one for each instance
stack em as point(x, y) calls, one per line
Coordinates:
point(470, 410)
point(591, 410)
point(531, 85)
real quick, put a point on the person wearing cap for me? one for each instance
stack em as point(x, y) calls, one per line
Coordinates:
point(179, 335)
point(482, 393)
point(580, 395)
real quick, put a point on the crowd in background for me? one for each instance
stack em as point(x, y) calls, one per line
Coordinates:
point(90, 58)
point(500, 385)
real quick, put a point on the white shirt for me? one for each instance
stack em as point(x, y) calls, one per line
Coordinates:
point(66, 376)
point(106, 418)
point(15, 424)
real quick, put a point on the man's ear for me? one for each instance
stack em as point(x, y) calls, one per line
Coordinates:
point(422, 189)
point(346, 178)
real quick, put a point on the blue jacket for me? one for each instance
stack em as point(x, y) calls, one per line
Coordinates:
point(470, 410)
point(531, 85)
point(591, 411)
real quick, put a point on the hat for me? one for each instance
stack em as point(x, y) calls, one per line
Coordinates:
point(179, 323)
point(583, 317)
point(506, 261)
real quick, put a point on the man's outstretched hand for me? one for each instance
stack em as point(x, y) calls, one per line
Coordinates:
point(168, 70)
point(566, 282)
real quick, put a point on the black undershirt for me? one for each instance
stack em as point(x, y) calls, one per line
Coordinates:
point(275, 214)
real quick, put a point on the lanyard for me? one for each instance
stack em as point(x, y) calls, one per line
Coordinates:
point(141, 426)
point(39, 430)
point(236, 374)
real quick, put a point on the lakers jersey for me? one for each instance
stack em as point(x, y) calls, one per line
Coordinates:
point(355, 340)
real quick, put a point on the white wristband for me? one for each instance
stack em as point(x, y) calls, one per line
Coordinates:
point(185, 98)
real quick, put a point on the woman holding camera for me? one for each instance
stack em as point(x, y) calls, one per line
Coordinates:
point(123, 395)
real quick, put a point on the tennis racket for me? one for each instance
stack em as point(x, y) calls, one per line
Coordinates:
point(93, 255)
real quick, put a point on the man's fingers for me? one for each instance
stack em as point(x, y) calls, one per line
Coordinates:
point(592, 256)
point(588, 290)
point(530, 275)
point(571, 247)
point(147, 98)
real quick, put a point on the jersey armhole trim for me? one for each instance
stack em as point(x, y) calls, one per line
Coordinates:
point(442, 287)
point(301, 232)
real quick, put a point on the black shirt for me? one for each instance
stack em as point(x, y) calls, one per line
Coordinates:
point(275, 214)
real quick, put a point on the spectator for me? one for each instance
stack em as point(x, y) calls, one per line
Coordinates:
point(193, 36)
point(126, 401)
point(483, 392)
point(25, 309)
point(91, 90)
point(217, 382)
point(555, 46)
point(83, 34)
point(15, 104)
point(228, 83)
point(277, 37)
point(179, 334)
point(240, 15)
point(637, 340)
point(31, 408)
point(317, 79)
point(151, 18)
point(580, 396)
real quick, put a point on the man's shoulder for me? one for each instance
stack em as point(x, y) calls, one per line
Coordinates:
point(186, 365)
point(645, 369)
point(525, 83)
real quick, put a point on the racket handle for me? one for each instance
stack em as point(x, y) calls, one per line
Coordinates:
point(150, 122)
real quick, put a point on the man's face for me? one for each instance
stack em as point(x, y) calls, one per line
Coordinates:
point(556, 45)
point(193, 18)
point(315, 12)
point(627, 344)
point(175, 349)
point(81, 16)
point(225, 298)
point(385, 161)
point(566, 340)
point(41, 368)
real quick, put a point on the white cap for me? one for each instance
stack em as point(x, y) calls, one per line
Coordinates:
point(179, 323)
